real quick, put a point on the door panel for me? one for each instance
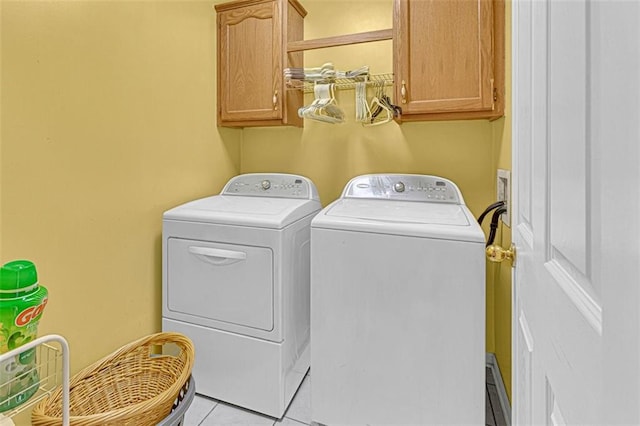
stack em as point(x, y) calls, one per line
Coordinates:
point(554, 414)
point(524, 162)
point(567, 140)
point(524, 388)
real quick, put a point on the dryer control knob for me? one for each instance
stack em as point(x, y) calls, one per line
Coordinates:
point(266, 184)
point(398, 187)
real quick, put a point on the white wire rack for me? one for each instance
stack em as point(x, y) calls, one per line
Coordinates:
point(52, 367)
point(341, 83)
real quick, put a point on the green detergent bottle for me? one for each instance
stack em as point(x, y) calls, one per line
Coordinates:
point(22, 301)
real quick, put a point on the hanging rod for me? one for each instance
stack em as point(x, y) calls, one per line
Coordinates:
point(343, 40)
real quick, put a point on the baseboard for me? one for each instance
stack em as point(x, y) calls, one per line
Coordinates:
point(492, 363)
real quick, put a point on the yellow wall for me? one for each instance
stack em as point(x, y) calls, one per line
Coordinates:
point(501, 273)
point(108, 119)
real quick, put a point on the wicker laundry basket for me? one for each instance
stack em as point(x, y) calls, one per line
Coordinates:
point(135, 385)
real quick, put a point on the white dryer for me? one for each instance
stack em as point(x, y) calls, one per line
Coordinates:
point(398, 305)
point(236, 281)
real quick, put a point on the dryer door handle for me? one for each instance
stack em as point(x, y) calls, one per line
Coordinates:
point(216, 256)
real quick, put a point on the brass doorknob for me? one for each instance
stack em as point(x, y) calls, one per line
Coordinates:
point(497, 254)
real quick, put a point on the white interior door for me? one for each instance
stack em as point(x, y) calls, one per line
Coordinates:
point(576, 138)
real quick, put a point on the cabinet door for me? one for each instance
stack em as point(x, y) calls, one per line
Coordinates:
point(249, 63)
point(444, 55)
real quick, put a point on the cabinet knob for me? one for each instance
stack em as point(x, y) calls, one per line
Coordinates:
point(275, 100)
point(403, 92)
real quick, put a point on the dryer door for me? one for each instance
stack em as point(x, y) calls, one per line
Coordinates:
point(222, 282)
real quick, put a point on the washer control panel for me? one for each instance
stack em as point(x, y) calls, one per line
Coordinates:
point(278, 185)
point(404, 187)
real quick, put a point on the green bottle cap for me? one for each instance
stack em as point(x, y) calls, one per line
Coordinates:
point(17, 276)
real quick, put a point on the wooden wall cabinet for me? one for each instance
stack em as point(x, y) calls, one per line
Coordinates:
point(449, 59)
point(252, 54)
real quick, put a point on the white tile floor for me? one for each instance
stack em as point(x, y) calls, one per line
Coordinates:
point(208, 412)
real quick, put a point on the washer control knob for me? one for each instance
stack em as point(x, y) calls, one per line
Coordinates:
point(265, 184)
point(398, 187)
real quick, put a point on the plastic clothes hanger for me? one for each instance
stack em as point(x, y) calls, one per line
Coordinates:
point(332, 108)
point(380, 105)
point(324, 107)
point(317, 102)
point(363, 112)
point(379, 118)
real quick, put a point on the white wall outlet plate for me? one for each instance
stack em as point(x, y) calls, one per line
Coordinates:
point(503, 193)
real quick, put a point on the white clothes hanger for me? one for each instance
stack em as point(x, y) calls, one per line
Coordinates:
point(379, 105)
point(323, 108)
point(363, 112)
point(379, 118)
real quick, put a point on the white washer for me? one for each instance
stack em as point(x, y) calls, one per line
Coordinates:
point(398, 305)
point(236, 281)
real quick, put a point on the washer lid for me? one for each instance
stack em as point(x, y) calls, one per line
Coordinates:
point(261, 212)
point(399, 211)
point(414, 219)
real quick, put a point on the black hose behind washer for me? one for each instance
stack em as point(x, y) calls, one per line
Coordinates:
point(494, 224)
point(488, 209)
